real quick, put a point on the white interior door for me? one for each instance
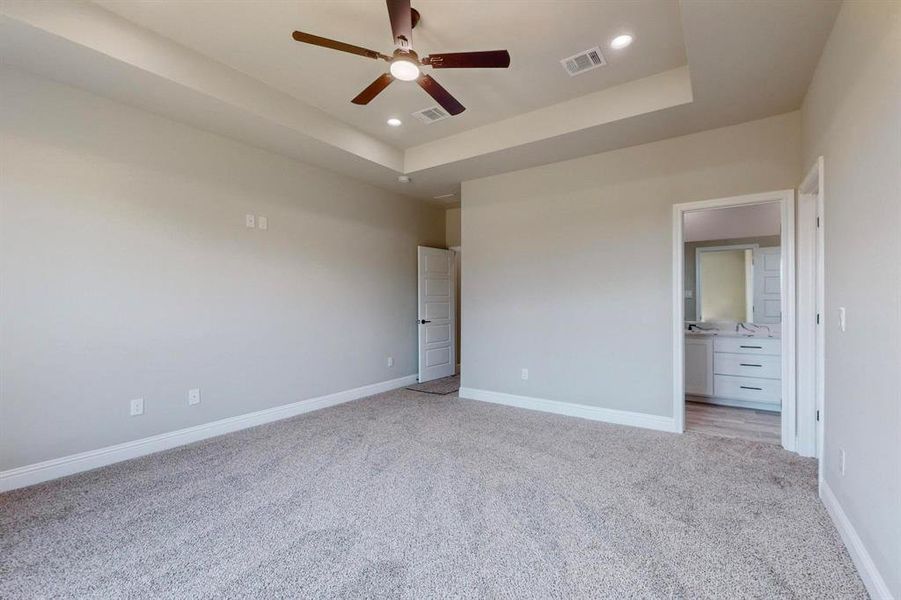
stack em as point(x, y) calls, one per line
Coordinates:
point(768, 285)
point(436, 313)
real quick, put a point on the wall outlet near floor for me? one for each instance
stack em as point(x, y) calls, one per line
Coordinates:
point(250, 221)
point(390, 361)
point(136, 407)
point(842, 461)
point(525, 374)
point(194, 396)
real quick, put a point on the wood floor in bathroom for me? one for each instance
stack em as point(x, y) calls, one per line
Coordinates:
point(744, 423)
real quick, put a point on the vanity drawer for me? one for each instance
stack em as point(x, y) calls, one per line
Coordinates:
point(748, 388)
point(748, 345)
point(747, 365)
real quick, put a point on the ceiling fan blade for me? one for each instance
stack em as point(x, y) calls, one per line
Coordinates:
point(489, 59)
point(441, 95)
point(309, 38)
point(401, 23)
point(374, 89)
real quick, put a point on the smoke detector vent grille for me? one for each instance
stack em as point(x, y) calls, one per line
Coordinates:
point(431, 114)
point(584, 61)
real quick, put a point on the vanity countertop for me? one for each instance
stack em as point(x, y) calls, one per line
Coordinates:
point(733, 334)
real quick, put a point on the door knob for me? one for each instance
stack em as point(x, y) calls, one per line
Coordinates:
point(423, 321)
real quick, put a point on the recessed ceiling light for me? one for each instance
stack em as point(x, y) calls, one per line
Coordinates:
point(394, 122)
point(405, 70)
point(621, 41)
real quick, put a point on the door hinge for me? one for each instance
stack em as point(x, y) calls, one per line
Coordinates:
point(818, 221)
point(818, 415)
point(818, 318)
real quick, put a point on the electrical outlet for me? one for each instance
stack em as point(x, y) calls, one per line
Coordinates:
point(525, 374)
point(262, 222)
point(390, 361)
point(194, 396)
point(136, 407)
point(842, 461)
point(250, 221)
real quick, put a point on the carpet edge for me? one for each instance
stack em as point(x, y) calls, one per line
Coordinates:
point(63, 466)
point(583, 411)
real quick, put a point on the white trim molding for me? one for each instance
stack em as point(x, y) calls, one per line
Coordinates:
point(811, 301)
point(786, 198)
point(583, 411)
point(101, 457)
point(866, 568)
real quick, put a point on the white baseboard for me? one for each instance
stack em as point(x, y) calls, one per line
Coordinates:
point(92, 459)
point(870, 575)
point(608, 415)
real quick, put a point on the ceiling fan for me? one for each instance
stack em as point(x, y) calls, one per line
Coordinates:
point(405, 64)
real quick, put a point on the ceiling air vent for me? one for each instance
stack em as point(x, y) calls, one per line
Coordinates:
point(431, 114)
point(584, 61)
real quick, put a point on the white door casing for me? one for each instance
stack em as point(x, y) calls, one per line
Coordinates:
point(786, 199)
point(811, 329)
point(767, 285)
point(436, 320)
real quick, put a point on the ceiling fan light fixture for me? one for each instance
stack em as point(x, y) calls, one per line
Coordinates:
point(405, 70)
point(621, 41)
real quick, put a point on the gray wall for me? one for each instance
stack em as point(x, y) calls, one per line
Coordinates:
point(690, 276)
point(568, 267)
point(852, 117)
point(127, 272)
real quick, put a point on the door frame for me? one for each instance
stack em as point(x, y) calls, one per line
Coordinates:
point(458, 306)
point(453, 309)
point(811, 305)
point(786, 199)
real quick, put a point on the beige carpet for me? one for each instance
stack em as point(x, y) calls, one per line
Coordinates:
point(414, 496)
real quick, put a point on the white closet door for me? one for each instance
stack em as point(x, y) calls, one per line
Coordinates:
point(436, 313)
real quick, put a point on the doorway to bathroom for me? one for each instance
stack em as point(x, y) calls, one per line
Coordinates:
point(733, 319)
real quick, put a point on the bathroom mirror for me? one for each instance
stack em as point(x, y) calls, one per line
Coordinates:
point(735, 282)
point(725, 280)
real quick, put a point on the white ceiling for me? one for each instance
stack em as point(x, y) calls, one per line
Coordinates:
point(255, 38)
point(231, 67)
point(736, 222)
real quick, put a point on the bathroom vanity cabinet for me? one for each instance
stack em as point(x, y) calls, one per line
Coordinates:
point(734, 370)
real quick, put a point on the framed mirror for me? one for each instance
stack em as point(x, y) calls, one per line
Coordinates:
point(738, 282)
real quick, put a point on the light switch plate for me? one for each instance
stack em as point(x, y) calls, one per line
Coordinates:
point(262, 222)
point(250, 221)
point(194, 396)
point(136, 407)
